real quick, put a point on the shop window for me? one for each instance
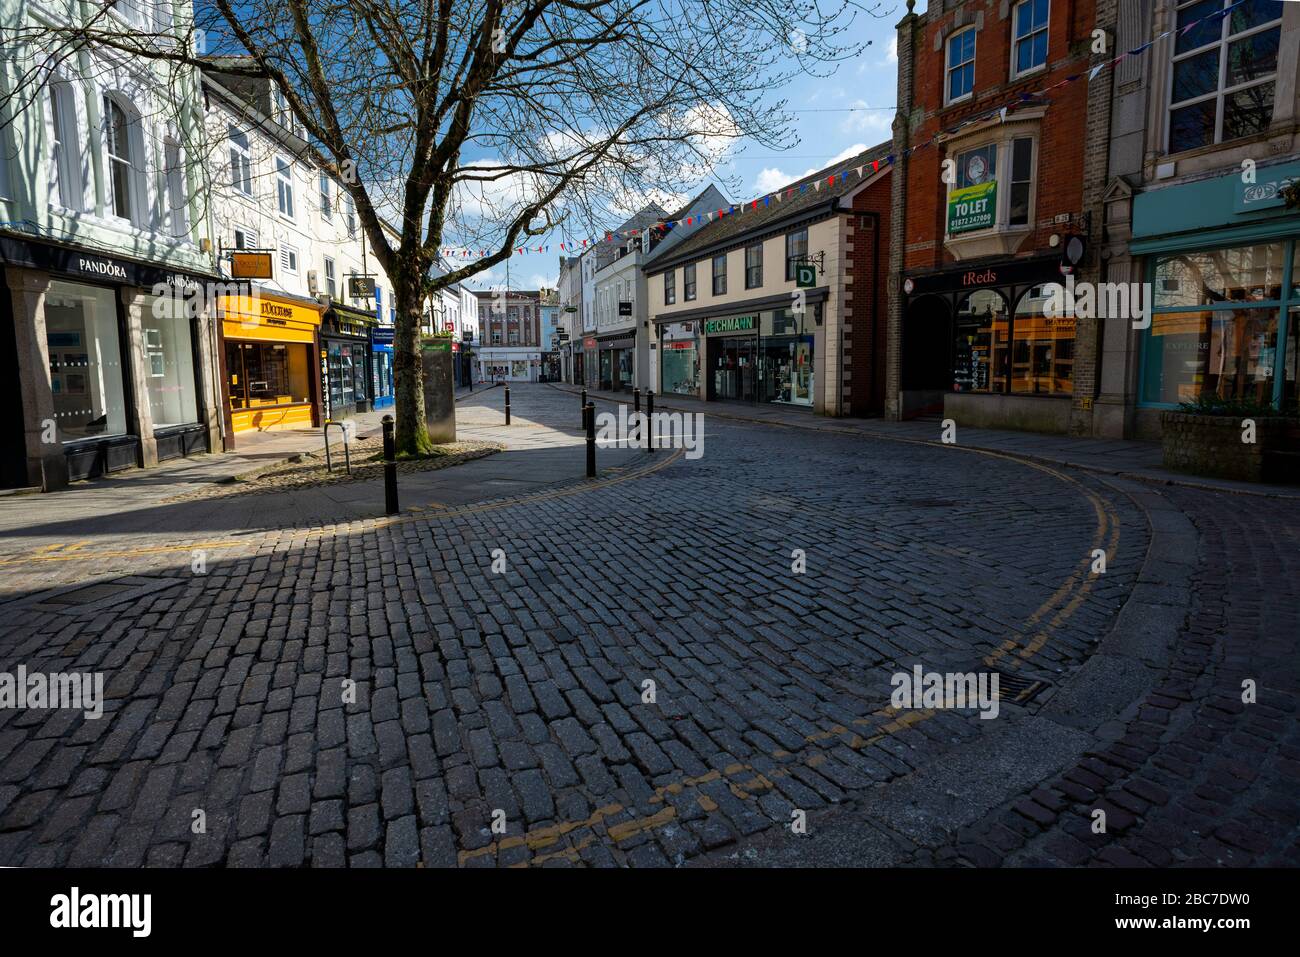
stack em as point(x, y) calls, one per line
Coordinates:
point(688, 281)
point(284, 186)
point(169, 362)
point(1211, 277)
point(1229, 353)
point(670, 287)
point(981, 346)
point(1042, 348)
point(961, 65)
point(796, 251)
point(81, 332)
point(1224, 72)
point(1029, 51)
point(65, 154)
point(1022, 176)
point(241, 162)
point(177, 205)
point(754, 266)
point(123, 161)
point(262, 374)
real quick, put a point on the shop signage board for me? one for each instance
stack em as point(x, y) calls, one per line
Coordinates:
point(972, 207)
point(805, 275)
point(246, 265)
point(361, 287)
point(730, 324)
point(382, 335)
point(625, 308)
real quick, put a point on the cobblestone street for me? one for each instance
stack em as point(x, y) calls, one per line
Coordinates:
point(678, 657)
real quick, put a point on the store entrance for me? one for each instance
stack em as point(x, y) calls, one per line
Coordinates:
point(733, 367)
point(13, 444)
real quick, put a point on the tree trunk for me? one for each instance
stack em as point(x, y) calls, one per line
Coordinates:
point(412, 438)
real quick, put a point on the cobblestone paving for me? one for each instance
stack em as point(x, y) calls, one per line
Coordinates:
point(522, 692)
point(1197, 777)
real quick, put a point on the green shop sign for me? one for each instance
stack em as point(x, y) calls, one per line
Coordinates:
point(730, 324)
point(972, 207)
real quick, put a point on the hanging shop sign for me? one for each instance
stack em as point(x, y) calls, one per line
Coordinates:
point(250, 265)
point(805, 275)
point(730, 324)
point(972, 207)
point(361, 287)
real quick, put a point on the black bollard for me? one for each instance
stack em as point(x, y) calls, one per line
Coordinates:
point(584, 407)
point(390, 469)
point(507, 405)
point(650, 417)
point(590, 415)
point(636, 400)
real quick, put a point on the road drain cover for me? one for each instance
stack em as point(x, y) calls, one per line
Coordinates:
point(78, 599)
point(1016, 688)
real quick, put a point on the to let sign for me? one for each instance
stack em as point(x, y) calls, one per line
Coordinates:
point(972, 207)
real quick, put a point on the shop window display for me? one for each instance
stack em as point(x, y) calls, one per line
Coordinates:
point(86, 375)
point(263, 374)
point(1042, 351)
point(169, 362)
point(981, 357)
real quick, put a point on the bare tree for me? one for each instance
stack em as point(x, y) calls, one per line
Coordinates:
point(482, 125)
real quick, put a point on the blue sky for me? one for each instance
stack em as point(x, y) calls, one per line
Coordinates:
point(835, 117)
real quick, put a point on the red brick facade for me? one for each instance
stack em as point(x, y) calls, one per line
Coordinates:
point(867, 301)
point(1059, 173)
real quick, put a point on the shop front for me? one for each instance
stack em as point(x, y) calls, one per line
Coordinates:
point(766, 356)
point(381, 366)
point(272, 363)
point(679, 363)
point(617, 360)
point(1222, 259)
point(586, 363)
point(349, 379)
point(982, 345)
point(108, 357)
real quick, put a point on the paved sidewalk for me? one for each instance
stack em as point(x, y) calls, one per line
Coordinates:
point(1122, 457)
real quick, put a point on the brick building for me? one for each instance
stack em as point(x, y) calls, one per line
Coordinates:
point(996, 178)
point(512, 346)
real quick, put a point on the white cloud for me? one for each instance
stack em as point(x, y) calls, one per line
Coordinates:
point(867, 121)
point(771, 179)
point(891, 55)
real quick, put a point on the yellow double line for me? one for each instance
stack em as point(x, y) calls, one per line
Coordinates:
point(1065, 600)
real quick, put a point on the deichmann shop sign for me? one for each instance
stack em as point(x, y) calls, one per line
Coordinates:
point(730, 324)
point(972, 207)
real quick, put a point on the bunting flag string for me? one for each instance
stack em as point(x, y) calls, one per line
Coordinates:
point(875, 165)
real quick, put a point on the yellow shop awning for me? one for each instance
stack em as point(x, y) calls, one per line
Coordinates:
point(269, 318)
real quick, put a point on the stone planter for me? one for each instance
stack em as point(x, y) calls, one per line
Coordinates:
point(1212, 445)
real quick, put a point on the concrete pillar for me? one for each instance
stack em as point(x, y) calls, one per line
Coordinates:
point(46, 465)
point(210, 379)
point(133, 301)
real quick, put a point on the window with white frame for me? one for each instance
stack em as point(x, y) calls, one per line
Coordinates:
point(289, 259)
point(961, 66)
point(284, 186)
point(1022, 181)
point(1224, 71)
point(1029, 44)
point(177, 206)
point(331, 283)
point(350, 214)
point(241, 162)
point(1008, 198)
point(326, 202)
point(65, 156)
point(123, 161)
point(245, 238)
point(283, 114)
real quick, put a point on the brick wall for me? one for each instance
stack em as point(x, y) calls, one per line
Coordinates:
point(867, 270)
